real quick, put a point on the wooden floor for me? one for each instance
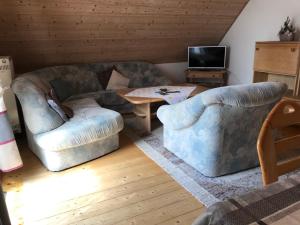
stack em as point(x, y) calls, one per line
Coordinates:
point(124, 187)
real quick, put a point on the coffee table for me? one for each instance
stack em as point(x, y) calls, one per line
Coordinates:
point(142, 106)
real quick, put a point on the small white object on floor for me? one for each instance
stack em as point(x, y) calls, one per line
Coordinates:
point(171, 98)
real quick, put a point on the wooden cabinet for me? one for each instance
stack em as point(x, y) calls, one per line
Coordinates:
point(278, 61)
point(210, 78)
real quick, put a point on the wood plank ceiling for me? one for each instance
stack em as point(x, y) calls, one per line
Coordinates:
point(38, 33)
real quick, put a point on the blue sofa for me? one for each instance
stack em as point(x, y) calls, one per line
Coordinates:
point(216, 131)
point(94, 129)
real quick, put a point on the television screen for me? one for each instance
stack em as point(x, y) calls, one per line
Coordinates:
point(207, 57)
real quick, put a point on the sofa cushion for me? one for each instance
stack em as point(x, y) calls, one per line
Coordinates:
point(142, 74)
point(117, 81)
point(62, 88)
point(108, 97)
point(80, 78)
point(123, 109)
point(56, 107)
point(64, 111)
point(90, 123)
point(104, 77)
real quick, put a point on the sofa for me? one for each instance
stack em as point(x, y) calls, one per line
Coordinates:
point(216, 131)
point(93, 130)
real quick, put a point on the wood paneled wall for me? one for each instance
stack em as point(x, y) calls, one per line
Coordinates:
point(39, 33)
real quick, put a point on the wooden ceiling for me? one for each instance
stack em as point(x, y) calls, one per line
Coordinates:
point(39, 33)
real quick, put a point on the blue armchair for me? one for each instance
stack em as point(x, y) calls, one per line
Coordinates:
point(216, 131)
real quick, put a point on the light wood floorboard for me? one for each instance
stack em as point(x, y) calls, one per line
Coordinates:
point(124, 187)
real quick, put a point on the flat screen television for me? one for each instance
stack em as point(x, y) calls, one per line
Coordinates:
point(207, 57)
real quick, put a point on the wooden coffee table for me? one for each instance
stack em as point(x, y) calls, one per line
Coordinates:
point(142, 106)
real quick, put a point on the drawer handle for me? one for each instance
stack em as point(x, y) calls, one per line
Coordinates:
point(293, 49)
point(257, 49)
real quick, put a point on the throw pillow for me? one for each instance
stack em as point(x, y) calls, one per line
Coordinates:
point(62, 88)
point(63, 111)
point(104, 77)
point(117, 81)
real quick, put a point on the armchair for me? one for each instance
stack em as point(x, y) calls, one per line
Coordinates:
point(92, 132)
point(216, 131)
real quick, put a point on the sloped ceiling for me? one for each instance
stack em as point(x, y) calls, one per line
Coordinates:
point(38, 33)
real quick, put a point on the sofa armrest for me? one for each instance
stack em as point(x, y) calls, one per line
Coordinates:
point(38, 116)
point(246, 95)
point(181, 115)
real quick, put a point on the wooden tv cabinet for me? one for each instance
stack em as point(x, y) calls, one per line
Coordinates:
point(278, 61)
point(208, 78)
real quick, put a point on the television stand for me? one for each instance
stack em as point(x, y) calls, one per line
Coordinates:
point(208, 78)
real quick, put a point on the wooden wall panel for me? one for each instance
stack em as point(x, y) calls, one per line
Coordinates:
point(38, 33)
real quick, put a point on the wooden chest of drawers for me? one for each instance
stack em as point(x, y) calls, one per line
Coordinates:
point(278, 61)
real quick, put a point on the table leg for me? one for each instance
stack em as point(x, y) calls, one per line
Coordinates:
point(143, 113)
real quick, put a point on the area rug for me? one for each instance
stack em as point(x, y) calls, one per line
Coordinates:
point(205, 189)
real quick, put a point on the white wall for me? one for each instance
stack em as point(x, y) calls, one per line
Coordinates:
point(259, 21)
point(174, 71)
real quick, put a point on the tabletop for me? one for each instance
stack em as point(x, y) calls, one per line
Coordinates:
point(142, 100)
